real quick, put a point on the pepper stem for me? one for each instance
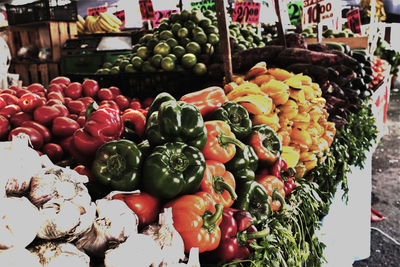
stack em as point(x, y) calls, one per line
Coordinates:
point(224, 140)
point(220, 186)
point(259, 234)
point(210, 220)
point(276, 196)
point(93, 106)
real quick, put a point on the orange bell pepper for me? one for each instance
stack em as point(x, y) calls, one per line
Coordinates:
point(197, 219)
point(219, 183)
point(275, 189)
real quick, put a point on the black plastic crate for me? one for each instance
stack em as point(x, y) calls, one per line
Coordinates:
point(41, 11)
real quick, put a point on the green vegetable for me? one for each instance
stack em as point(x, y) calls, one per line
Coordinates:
point(173, 169)
point(243, 165)
point(253, 197)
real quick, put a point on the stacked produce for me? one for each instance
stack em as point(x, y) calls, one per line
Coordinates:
point(102, 23)
point(392, 56)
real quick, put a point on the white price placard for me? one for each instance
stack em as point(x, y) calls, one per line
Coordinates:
point(329, 12)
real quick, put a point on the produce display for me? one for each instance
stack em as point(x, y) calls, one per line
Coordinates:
point(103, 23)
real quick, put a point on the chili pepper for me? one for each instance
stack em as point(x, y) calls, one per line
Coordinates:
point(237, 235)
point(102, 125)
point(252, 196)
point(117, 165)
point(176, 121)
point(281, 170)
point(219, 183)
point(275, 189)
point(236, 116)
point(64, 126)
point(243, 165)
point(145, 206)
point(134, 122)
point(173, 169)
point(265, 143)
point(221, 142)
point(206, 100)
point(197, 219)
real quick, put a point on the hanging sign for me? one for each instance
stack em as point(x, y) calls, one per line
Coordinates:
point(354, 20)
point(95, 11)
point(310, 11)
point(121, 15)
point(295, 9)
point(162, 14)
point(246, 12)
point(203, 5)
point(146, 9)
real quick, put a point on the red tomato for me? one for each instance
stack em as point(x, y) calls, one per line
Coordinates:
point(54, 87)
point(35, 137)
point(105, 94)
point(53, 151)
point(9, 91)
point(2, 103)
point(56, 95)
point(20, 117)
point(9, 98)
point(14, 88)
point(90, 88)
point(21, 92)
point(135, 104)
point(76, 106)
point(63, 110)
point(61, 80)
point(73, 90)
point(114, 90)
point(109, 104)
point(29, 102)
point(122, 102)
point(9, 110)
point(147, 102)
point(36, 87)
point(64, 126)
point(86, 100)
point(4, 127)
point(45, 114)
point(52, 102)
point(43, 130)
point(145, 206)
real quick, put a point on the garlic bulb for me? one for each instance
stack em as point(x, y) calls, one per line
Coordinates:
point(64, 203)
point(169, 240)
point(115, 222)
point(15, 231)
point(18, 257)
point(54, 254)
point(18, 163)
point(138, 250)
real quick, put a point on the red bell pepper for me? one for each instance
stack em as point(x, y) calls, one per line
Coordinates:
point(34, 136)
point(219, 183)
point(105, 94)
point(43, 130)
point(238, 236)
point(18, 118)
point(45, 114)
point(64, 126)
point(122, 102)
point(206, 100)
point(281, 170)
point(221, 142)
point(73, 90)
point(137, 121)
point(69, 147)
point(9, 110)
point(144, 205)
point(114, 90)
point(101, 126)
point(53, 151)
point(90, 88)
point(4, 127)
point(29, 102)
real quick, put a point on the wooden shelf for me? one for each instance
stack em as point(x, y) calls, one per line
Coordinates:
point(353, 42)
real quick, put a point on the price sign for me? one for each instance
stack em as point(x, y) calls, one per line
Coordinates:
point(295, 12)
point(203, 5)
point(246, 12)
point(162, 14)
point(310, 11)
point(95, 11)
point(121, 15)
point(146, 9)
point(354, 20)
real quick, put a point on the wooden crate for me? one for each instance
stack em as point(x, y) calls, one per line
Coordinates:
point(353, 42)
point(47, 34)
point(35, 73)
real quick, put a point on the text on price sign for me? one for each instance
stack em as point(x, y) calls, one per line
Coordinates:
point(146, 9)
point(294, 9)
point(354, 20)
point(203, 5)
point(95, 11)
point(246, 12)
point(310, 11)
point(163, 14)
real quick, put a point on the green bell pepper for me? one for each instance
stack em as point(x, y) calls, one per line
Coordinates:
point(117, 164)
point(243, 165)
point(173, 169)
point(176, 121)
point(236, 116)
point(253, 197)
point(158, 100)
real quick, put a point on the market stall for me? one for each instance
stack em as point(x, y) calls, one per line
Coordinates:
point(207, 141)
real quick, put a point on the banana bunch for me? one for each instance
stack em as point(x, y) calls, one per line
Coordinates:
point(292, 105)
point(104, 22)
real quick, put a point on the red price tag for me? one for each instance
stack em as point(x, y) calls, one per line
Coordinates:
point(121, 15)
point(146, 9)
point(354, 20)
point(246, 12)
point(95, 11)
point(162, 14)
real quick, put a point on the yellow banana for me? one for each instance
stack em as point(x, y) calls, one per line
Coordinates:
point(294, 82)
point(81, 20)
point(246, 88)
point(107, 21)
point(259, 69)
point(114, 19)
point(80, 26)
point(280, 74)
point(255, 104)
point(106, 26)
